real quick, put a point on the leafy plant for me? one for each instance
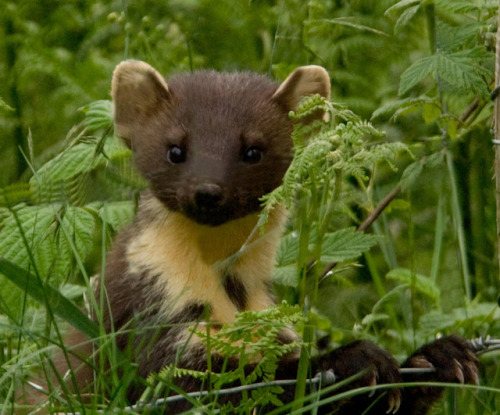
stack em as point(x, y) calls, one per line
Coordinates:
point(392, 225)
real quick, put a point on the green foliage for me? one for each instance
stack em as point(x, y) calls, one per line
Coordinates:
point(420, 70)
point(253, 337)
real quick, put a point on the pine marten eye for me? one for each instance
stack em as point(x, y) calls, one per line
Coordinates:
point(176, 155)
point(252, 155)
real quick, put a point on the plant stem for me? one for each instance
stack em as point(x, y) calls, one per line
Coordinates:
point(458, 222)
point(496, 116)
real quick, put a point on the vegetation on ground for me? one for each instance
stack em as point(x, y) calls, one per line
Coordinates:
point(392, 234)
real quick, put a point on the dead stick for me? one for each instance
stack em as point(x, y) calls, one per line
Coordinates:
point(367, 222)
point(379, 209)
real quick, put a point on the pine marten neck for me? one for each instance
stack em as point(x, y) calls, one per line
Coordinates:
point(210, 145)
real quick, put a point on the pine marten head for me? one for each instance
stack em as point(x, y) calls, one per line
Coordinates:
point(210, 144)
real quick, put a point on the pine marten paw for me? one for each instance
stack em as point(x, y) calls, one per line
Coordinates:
point(373, 365)
point(448, 359)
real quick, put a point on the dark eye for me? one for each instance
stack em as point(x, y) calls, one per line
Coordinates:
point(252, 155)
point(176, 155)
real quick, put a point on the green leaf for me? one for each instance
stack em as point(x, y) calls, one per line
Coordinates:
point(430, 112)
point(434, 160)
point(346, 244)
point(401, 5)
point(79, 225)
point(75, 160)
point(51, 232)
point(458, 6)
point(346, 21)
point(410, 174)
point(98, 115)
point(405, 18)
point(421, 283)
point(415, 73)
point(401, 107)
point(286, 275)
point(462, 71)
point(288, 249)
point(48, 296)
point(117, 214)
point(4, 106)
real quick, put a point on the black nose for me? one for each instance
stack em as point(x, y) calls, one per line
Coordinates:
point(208, 195)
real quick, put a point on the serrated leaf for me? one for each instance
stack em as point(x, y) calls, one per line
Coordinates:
point(410, 174)
point(79, 225)
point(286, 275)
point(461, 70)
point(115, 148)
point(346, 244)
point(75, 160)
point(421, 283)
point(117, 214)
point(401, 107)
point(49, 240)
point(434, 160)
point(405, 18)
point(435, 321)
point(400, 5)
point(416, 73)
point(99, 115)
point(458, 6)
point(347, 21)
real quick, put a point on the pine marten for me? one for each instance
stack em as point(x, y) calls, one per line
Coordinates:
point(210, 146)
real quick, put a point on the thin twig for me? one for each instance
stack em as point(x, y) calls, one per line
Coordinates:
point(469, 111)
point(380, 208)
point(368, 222)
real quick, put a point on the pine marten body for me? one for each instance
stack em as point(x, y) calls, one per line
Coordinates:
point(211, 145)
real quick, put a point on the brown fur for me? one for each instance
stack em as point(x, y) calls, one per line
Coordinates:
point(211, 145)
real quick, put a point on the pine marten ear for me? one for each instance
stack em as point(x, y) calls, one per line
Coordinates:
point(138, 92)
point(304, 81)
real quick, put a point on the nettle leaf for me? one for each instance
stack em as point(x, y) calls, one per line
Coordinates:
point(286, 275)
point(414, 170)
point(75, 160)
point(117, 214)
point(403, 107)
point(421, 283)
point(458, 6)
point(416, 73)
point(410, 174)
point(401, 5)
point(475, 315)
point(54, 234)
point(460, 70)
point(346, 244)
point(288, 249)
point(36, 223)
point(51, 181)
point(405, 18)
point(98, 115)
point(78, 226)
point(434, 160)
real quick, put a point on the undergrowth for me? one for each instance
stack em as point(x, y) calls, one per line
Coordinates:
point(354, 262)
